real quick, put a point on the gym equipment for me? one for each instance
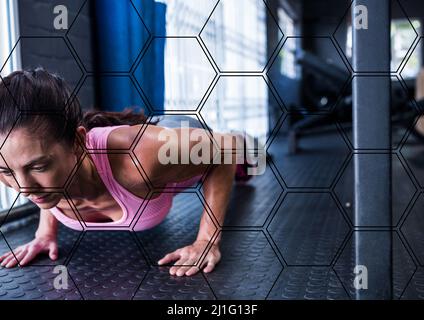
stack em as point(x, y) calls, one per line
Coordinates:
point(322, 86)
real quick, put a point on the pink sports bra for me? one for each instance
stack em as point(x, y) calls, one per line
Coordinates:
point(138, 214)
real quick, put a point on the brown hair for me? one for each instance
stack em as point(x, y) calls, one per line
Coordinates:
point(39, 100)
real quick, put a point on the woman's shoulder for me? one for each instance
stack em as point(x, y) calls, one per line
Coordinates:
point(124, 167)
point(122, 137)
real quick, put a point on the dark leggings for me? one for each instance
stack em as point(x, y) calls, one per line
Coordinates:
point(174, 121)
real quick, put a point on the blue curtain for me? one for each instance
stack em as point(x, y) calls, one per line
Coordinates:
point(120, 37)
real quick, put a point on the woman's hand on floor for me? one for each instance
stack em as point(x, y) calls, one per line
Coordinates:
point(29, 251)
point(188, 256)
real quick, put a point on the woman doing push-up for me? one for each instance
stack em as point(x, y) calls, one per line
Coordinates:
point(45, 136)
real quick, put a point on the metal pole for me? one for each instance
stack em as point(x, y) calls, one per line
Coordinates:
point(372, 134)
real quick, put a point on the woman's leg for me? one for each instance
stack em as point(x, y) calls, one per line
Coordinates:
point(176, 121)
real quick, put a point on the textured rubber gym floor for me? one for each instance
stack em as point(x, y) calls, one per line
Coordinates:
point(287, 235)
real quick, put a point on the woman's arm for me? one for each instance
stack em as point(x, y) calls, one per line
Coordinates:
point(45, 241)
point(47, 226)
point(217, 190)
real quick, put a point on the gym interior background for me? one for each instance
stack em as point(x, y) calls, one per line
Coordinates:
point(288, 72)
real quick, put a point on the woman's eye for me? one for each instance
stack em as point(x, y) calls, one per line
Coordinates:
point(39, 168)
point(6, 173)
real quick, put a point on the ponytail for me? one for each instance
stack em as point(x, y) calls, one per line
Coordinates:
point(93, 119)
point(43, 96)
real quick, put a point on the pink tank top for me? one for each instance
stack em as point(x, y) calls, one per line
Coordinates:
point(138, 214)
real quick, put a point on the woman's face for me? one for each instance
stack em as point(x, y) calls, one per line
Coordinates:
point(35, 165)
